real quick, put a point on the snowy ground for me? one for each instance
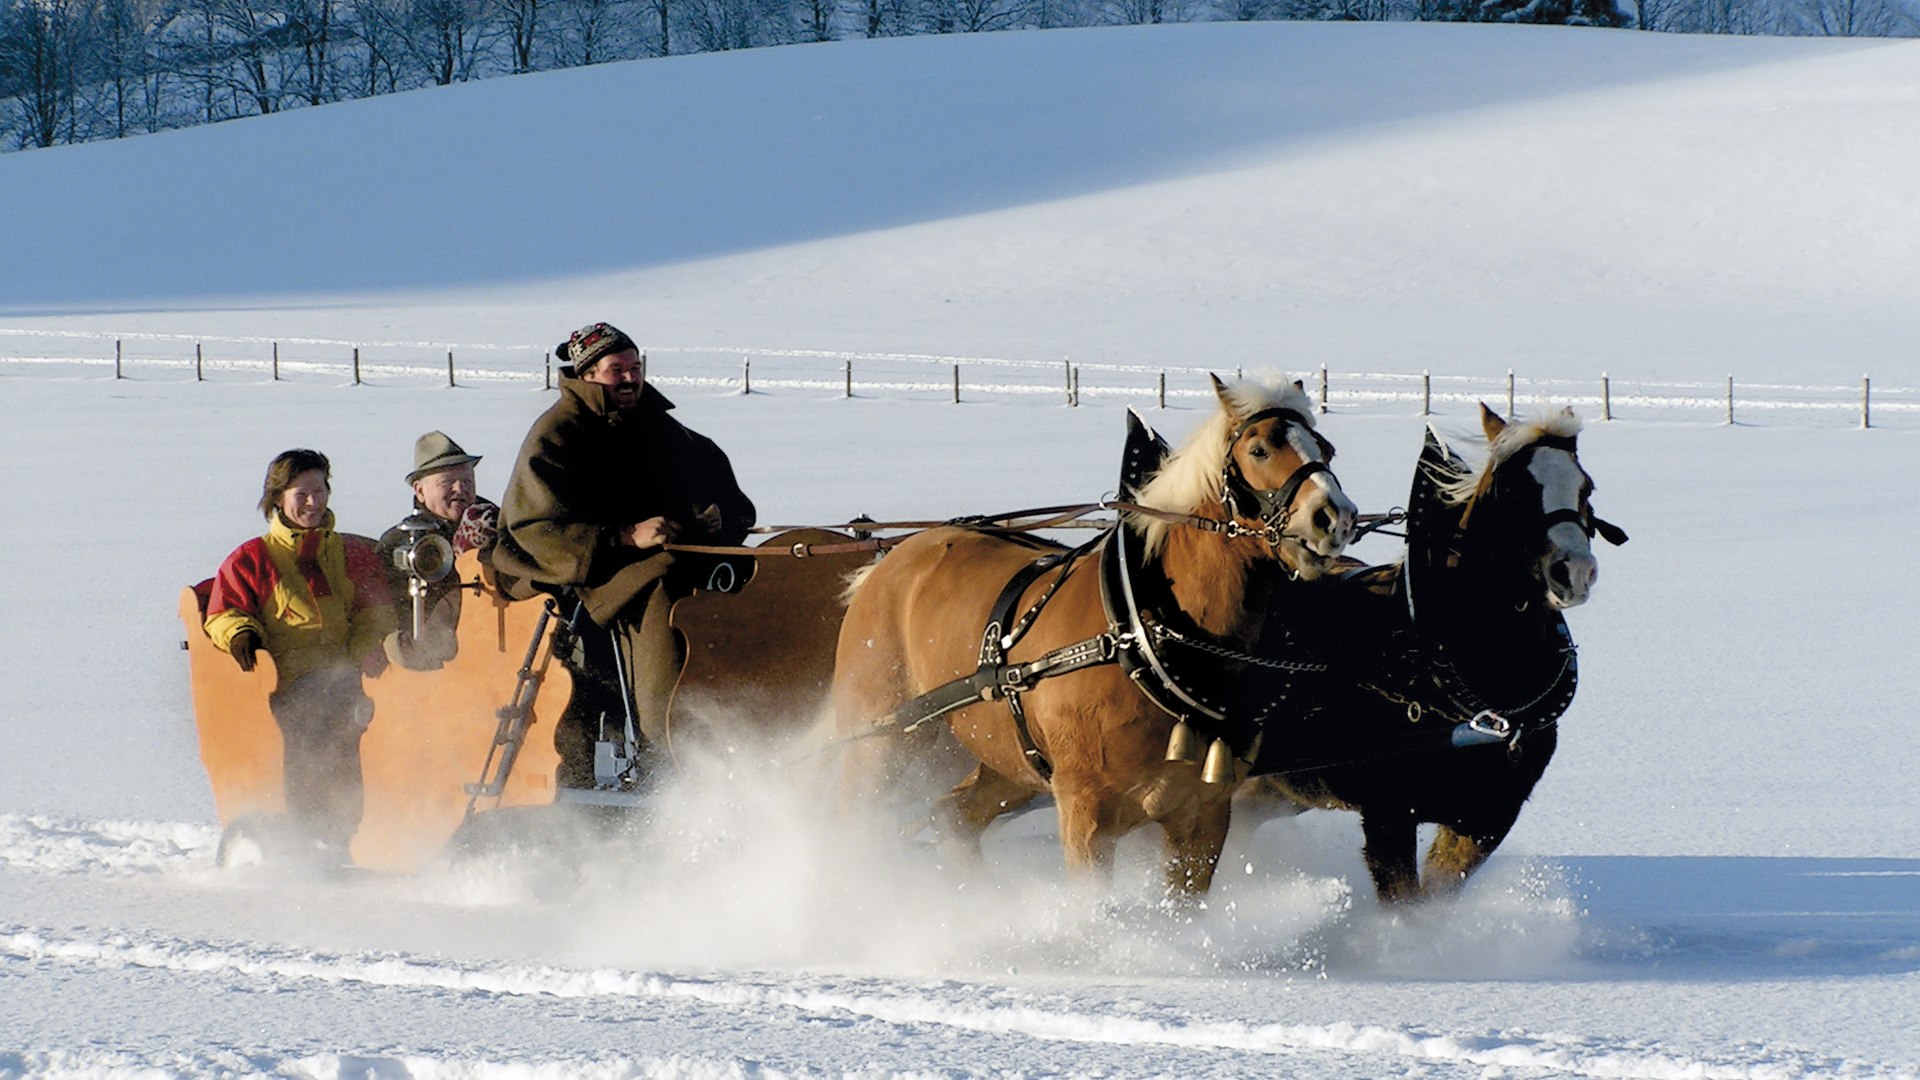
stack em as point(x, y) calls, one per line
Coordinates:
point(1719, 876)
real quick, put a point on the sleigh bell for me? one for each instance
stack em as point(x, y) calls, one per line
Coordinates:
point(1183, 744)
point(1219, 766)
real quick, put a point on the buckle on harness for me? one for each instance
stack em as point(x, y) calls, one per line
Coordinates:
point(1486, 728)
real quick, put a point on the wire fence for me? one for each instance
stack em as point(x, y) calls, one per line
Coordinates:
point(176, 357)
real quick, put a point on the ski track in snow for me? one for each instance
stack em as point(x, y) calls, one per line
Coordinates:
point(43, 845)
point(953, 1005)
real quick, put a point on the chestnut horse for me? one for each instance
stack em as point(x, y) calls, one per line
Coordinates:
point(1061, 694)
point(1449, 670)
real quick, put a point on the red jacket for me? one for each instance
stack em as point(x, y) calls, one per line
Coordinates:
point(316, 598)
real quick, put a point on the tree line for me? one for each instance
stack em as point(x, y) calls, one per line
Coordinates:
point(78, 70)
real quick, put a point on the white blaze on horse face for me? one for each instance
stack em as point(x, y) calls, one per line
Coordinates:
point(1323, 516)
point(1568, 568)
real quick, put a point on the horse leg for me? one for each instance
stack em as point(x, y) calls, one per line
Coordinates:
point(1453, 857)
point(1391, 840)
point(1194, 840)
point(973, 804)
point(869, 684)
point(1087, 831)
point(1455, 854)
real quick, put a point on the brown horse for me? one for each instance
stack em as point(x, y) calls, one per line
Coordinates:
point(1076, 687)
point(1449, 670)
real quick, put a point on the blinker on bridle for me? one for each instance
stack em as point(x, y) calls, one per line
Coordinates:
point(1271, 506)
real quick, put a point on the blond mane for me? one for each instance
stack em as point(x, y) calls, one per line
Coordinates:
point(1189, 481)
point(1462, 487)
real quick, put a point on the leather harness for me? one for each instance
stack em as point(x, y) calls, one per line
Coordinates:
point(1134, 638)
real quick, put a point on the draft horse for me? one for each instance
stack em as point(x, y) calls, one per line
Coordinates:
point(1449, 671)
point(1067, 672)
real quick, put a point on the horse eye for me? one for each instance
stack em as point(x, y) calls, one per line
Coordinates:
point(1257, 451)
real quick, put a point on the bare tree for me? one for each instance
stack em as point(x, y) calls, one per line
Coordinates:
point(123, 57)
point(717, 25)
point(593, 31)
point(816, 19)
point(312, 26)
point(1048, 14)
point(445, 38)
point(1855, 18)
point(972, 16)
point(1144, 12)
point(39, 59)
point(380, 27)
point(521, 19)
point(253, 43)
point(884, 18)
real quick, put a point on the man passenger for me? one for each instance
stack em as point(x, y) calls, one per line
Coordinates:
point(444, 505)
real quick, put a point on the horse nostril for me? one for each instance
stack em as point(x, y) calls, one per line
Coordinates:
point(1560, 575)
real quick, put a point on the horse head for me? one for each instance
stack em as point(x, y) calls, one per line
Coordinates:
point(1531, 508)
point(1262, 464)
point(1277, 472)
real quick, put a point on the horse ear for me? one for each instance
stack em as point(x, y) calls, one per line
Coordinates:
point(1220, 391)
point(1491, 423)
point(1300, 385)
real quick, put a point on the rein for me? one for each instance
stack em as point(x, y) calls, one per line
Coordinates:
point(1055, 517)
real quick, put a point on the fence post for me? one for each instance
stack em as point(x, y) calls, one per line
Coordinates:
point(643, 367)
point(1163, 389)
point(449, 367)
point(956, 384)
point(1067, 366)
point(1076, 387)
point(849, 373)
point(1323, 389)
point(1729, 398)
point(1509, 393)
point(1866, 403)
point(276, 361)
point(1606, 397)
point(199, 358)
point(116, 358)
point(356, 365)
point(746, 375)
point(1426, 393)
point(546, 381)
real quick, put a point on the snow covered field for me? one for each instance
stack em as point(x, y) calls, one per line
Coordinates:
point(1718, 877)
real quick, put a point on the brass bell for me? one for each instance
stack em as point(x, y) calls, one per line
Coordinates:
point(1219, 766)
point(1182, 745)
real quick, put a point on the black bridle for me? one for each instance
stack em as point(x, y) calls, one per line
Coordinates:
point(1272, 507)
point(1582, 516)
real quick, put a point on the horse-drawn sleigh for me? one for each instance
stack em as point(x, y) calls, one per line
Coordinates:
point(1209, 649)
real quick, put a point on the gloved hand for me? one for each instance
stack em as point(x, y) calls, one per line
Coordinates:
point(245, 644)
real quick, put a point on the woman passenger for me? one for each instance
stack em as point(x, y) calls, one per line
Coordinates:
point(318, 604)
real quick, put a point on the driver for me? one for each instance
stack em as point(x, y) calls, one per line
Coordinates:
point(606, 478)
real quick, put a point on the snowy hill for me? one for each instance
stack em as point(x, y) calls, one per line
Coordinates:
point(1397, 196)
